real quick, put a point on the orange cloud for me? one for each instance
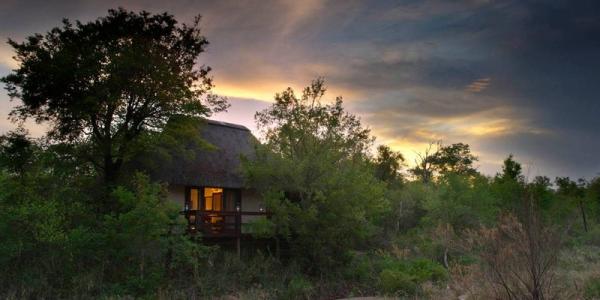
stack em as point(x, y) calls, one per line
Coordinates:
point(478, 85)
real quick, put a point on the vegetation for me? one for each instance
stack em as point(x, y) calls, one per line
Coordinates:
point(79, 219)
point(105, 83)
point(314, 174)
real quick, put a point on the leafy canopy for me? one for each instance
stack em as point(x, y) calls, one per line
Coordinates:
point(314, 174)
point(388, 164)
point(444, 160)
point(107, 81)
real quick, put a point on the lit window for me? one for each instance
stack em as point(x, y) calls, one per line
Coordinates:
point(213, 199)
point(194, 199)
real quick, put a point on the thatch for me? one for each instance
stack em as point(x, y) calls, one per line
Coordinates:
point(219, 167)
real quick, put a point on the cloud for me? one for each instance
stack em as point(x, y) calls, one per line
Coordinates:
point(502, 75)
point(478, 85)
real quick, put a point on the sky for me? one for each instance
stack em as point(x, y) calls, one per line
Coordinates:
point(504, 76)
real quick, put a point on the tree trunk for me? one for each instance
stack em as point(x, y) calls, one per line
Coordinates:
point(111, 169)
point(582, 208)
point(446, 259)
point(109, 172)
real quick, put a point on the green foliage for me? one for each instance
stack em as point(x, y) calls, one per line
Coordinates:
point(439, 160)
point(54, 242)
point(388, 165)
point(17, 151)
point(462, 202)
point(592, 288)
point(511, 170)
point(122, 94)
point(574, 194)
point(592, 237)
point(314, 175)
point(593, 198)
point(406, 207)
point(455, 159)
point(397, 282)
point(298, 288)
point(508, 187)
point(138, 236)
point(224, 273)
point(106, 82)
point(262, 228)
point(420, 270)
point(381, 272)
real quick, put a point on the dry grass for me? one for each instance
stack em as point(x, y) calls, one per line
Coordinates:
point(575, 267)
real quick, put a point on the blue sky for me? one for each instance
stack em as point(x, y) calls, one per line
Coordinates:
point(518, 77)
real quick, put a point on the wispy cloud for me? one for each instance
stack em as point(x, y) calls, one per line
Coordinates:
point(478, 85)
point(502, 75)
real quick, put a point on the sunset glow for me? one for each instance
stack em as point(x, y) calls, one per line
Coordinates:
point(471, 71)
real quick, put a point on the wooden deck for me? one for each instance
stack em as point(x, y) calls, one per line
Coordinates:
point(218, 224)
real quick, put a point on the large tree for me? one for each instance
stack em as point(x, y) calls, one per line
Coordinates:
point(388, 164)
point(511, 170)
point(107, 82)
point(444, 160)
point(572, 191)
point(456, 158)
point(314, 173)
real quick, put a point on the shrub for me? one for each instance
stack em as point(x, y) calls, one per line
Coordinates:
point(314, 177)
point(426, 270)
point(592, 288)
point(420, 269)
point(393, 275)
point(519, 259)
point(397, 282)
point(261, 228)
point(592, 237)
point(298, 288)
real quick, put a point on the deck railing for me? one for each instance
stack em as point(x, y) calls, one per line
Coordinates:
point(218, 223)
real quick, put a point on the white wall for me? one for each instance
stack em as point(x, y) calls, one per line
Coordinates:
point(251, 202)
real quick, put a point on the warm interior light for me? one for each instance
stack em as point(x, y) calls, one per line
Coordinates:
point(194, 199)
point(213, 201)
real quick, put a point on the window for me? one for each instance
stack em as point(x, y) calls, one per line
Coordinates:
point(194, 197)
point(213, 199)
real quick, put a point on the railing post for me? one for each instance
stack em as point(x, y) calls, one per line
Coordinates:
point(238, 231)
point(238, 223)
point(197, 221)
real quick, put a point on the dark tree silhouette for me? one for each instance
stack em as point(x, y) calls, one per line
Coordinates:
point(388, 164)
point(106, 82)
point(511, 170)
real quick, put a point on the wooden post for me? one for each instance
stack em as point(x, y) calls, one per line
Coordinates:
point(238, 231)
point(197, 222)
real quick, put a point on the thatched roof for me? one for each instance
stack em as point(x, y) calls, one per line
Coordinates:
point(219, 167)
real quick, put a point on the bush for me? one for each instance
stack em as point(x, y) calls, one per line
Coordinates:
point(592, 288)
point(261, 228)
point(406, 276)
point(426, 270)
point(592, 237)
point(420, 269)
point(298, 288)
point(314, 177)
point(392, 275)
point(397, 282)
